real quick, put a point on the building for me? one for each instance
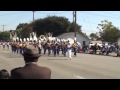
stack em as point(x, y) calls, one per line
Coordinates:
point(81, 38)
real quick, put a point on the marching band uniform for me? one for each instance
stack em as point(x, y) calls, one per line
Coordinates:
point(74, 46)
point(20, 46)
point(45, 47)
point(17, 47)
point(23, 47)
point(48, 47)
point(64, 48)
point(35, 44)
point(39, 47)
point(58, 48)
point(54, 46)
point(8, 44)
point(69, 48)
point(11, 46)
point(3, 45)
point(26, 44)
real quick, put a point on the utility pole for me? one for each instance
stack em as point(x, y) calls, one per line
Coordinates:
point(3, 27)
point(74, 23)
point(4, 37)
point(33, 20)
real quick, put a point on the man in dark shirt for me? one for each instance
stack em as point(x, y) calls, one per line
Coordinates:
point(31, 70)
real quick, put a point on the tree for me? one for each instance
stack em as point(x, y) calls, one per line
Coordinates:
point(108, 32)
point(5, 36)
point(72, 28)
point(53, 24)
point(94, 36)
point(19, 29)
point(25, 32)
point(21, 25)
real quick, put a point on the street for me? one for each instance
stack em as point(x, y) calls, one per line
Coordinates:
point(84, 66)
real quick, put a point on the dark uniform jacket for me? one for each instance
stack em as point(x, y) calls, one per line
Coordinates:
point(31, 71)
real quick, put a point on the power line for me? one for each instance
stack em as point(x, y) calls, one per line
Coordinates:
point(100, 15)
point(85, 22)
point(54, 12)
point(90, 24)
point(12, 13)
point(110, 13)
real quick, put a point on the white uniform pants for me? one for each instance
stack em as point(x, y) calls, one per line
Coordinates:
point(69, 53)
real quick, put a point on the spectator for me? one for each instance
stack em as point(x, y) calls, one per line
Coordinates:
point(4, 74)
point(31, 70)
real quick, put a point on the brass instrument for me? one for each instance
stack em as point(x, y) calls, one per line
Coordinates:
point(74, 45)
point(42, 37)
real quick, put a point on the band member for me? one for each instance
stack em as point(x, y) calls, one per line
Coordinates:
point(35, 44)
point(49, 34)
point(69, 48)
point(58, 47)
point(3, 45)
point(45, 47)
point(20, 47)
point(48, 47)
point(12, 46)
point(74, 46)
point(64, 48)
point(39, 47)
point(23, 47)
point(52, 46)
point(26, 44)
point(8, 44)
point(17, 47)
point(55, 48)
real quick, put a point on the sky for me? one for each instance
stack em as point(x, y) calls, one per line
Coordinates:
point(89, 20)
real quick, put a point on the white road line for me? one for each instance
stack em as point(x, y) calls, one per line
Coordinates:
point(79, 77)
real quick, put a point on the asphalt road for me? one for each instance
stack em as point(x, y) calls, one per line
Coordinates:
point(84, 66)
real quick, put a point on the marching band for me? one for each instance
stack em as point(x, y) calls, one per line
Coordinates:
point(52, 45)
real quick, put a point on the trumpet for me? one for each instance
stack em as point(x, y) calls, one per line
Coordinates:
point(42, 37)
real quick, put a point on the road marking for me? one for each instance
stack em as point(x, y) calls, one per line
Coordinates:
point(79, 77)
